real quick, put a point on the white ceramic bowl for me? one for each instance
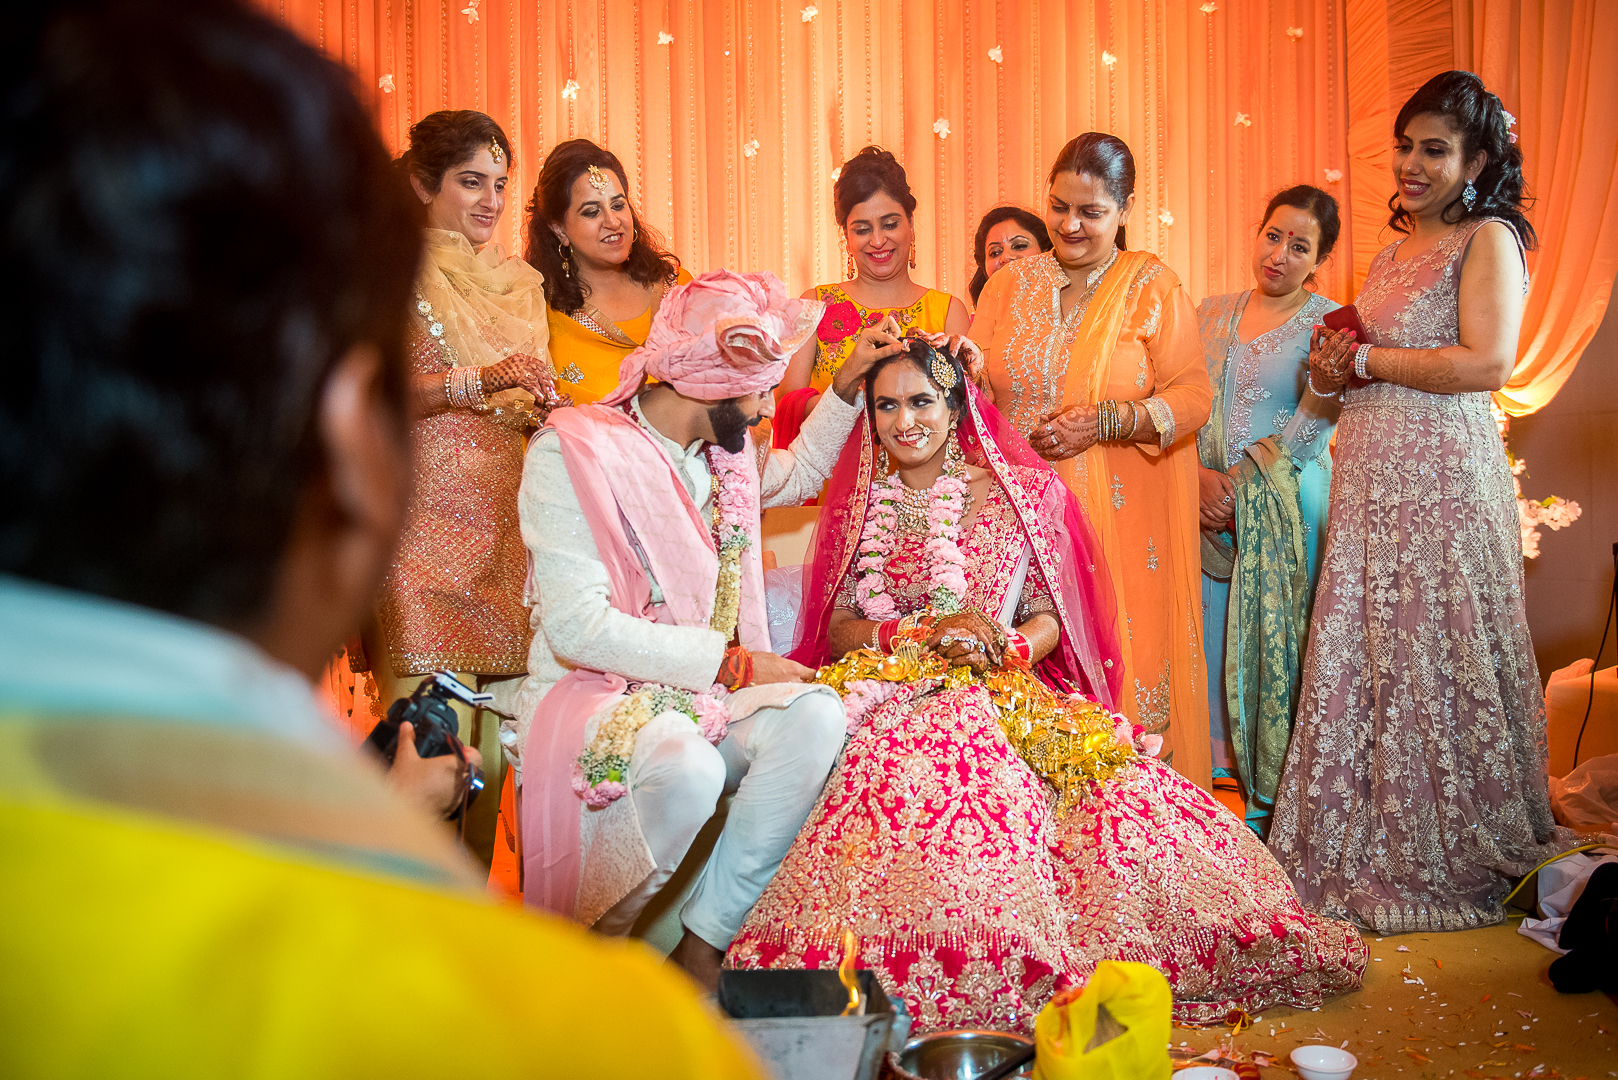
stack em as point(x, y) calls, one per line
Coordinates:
point(1205, 1072)
point(1323, 1062)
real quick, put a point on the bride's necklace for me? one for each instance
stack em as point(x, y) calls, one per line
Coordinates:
point(913, 506)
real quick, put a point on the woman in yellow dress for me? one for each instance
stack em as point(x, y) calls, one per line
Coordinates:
point(605, 269)
point(1092, 352)
point(875, 210)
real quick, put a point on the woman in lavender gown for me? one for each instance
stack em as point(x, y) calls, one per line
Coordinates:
point(1414, 791)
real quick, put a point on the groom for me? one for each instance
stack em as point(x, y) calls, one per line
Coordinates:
point(641, 516)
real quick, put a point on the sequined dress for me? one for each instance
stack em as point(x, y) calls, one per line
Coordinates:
point(453, 599)
point(975, 901)
point(1414, 792)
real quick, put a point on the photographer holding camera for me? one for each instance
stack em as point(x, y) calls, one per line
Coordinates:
point(204, 455)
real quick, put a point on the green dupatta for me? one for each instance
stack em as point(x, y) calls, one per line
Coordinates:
point(1267, 627)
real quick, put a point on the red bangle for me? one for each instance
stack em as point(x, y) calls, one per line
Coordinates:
point(1018, 645)
point(884, 635)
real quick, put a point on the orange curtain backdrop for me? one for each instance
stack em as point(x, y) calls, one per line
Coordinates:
point(731, 117)
point(1551, 63)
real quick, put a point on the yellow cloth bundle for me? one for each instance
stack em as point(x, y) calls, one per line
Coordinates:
point(1078, 1034)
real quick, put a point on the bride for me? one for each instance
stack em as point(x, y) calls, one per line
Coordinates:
point(994, 829)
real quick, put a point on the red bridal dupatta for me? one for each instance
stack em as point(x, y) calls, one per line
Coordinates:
point(1063, 550)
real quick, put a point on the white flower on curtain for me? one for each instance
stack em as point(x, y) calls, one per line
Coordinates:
point(1209, 8)
point(571, 90)
point(665, 38)
point(809, 13)
point(1333, 175)
point(996, 55)
point(749, 148)
point(386, 83)
point(1108, 59)
point(1294, 32)
point(941, 128)
point(1553, 511)
point(471, 11)
point(1243, 119)
point(1165, 217)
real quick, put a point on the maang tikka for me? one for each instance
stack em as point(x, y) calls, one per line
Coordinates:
point(598, 179)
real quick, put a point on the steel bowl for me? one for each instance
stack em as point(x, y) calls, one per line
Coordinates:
point(962, 1055)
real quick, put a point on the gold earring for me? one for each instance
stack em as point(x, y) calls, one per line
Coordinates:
point(848, 258)
point(565, 250)
point(912, 254)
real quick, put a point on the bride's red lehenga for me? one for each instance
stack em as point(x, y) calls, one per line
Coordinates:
point(973, 897)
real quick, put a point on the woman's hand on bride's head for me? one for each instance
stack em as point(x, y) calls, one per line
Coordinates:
point(959, 347)
point(873, 344)
point(1066, 433)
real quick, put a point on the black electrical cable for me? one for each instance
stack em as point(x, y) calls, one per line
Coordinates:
point(1612, 605)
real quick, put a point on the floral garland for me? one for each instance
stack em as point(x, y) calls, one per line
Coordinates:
point(733, 513)
point(599, 772)
point(946, 566)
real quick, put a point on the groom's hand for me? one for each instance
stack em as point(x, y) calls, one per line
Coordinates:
point(770, 668)
point(874, 343)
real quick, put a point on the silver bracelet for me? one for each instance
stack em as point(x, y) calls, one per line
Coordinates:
point(1362, 359)
point(1320, 393)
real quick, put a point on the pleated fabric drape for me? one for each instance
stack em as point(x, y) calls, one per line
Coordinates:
point(731, 117)
point(1551, 63)
point(1555, 65)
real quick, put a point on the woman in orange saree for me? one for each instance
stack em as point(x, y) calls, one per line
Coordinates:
point(1092, 353)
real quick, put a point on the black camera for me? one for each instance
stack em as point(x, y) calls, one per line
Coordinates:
point(437, 728)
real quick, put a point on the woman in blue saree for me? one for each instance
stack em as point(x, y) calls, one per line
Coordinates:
point(1266, 472)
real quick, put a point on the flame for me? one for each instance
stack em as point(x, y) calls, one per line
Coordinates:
point(845, 975)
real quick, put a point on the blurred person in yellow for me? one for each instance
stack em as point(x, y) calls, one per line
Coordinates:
point(204, 455)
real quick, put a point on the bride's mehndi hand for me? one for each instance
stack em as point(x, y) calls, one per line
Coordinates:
point(969, 638)
point(1066, 433)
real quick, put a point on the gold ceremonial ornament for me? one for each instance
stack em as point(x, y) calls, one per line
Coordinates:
point(943, 374)
point(1070, 743)
point(598, 179)
point(495, 152)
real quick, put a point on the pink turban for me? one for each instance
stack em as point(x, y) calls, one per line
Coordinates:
point(721, 335)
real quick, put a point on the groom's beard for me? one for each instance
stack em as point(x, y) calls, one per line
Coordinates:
point(730, 425)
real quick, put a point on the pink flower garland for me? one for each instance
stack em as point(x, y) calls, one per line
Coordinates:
point(734, 498)
point(946, 566)
point(876, 544)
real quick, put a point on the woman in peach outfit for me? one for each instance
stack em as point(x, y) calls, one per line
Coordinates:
point(1092, 353)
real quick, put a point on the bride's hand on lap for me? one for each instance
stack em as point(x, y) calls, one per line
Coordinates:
point(770, 668)
point(968, 638)
point(1216, 499)
point(873, 344)
point(1066, 433)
